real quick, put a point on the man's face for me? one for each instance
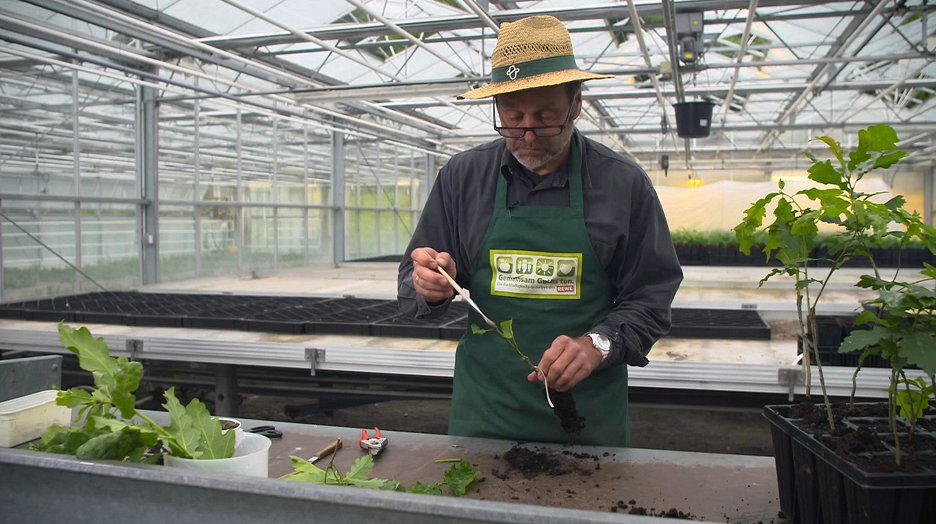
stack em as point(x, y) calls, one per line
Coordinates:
point(544, 106)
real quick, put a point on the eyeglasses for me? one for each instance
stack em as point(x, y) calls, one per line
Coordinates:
point(540, 131)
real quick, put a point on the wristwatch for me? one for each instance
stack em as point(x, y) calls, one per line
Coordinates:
point(602, 344)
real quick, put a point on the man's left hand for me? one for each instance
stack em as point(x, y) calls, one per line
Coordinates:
point(567, 362)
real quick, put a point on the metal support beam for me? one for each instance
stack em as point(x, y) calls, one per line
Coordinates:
point(148, 177)
point(76, 173)
point(338, 198)
point(227, 400)
point(429, 179)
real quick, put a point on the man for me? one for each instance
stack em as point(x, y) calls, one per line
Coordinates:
point(557, 233)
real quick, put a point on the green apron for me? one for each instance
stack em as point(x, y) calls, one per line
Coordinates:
point(536, 266)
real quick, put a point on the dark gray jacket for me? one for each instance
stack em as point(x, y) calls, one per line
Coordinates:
point(623, 216)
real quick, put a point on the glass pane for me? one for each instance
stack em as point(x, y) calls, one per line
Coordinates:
point(258, 239)
point(176, 243)
point(110, 247)
point(320, 237)
point(219, 251)
point(291, 238)
point(31, 270)
point(107, 138)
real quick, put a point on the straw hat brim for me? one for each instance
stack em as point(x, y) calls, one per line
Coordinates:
point(542, 80)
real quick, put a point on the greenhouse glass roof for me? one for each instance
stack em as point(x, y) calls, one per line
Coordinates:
point(779, 72)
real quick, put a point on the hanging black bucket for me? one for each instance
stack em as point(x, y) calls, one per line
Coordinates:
point(693, 119)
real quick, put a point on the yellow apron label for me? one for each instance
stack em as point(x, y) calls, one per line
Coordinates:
point(536, 274)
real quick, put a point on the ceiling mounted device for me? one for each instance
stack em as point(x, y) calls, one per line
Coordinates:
point(689, 28)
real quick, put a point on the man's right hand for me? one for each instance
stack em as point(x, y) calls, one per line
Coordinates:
point(427, 281)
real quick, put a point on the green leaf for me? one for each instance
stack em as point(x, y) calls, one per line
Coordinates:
point(425, 489)
point(880, 137)
point(919, 347)
point(92, 352)
point(303, 471)
point(506, 328)
point(825, 173)
point(73, 397)
point(753, 218)
point(477, 330)
point(459, 476)
point(60, 439)
point(834, 146)
point(115, 380)
point(928, 270)
point(130, 443)
point(126, 380)
point(185, 439)
point(861, 339)
point(214, 443)
point(362, 467)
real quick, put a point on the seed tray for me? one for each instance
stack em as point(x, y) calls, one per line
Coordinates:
point(718, 323)
point(817, 485)
point(347, 315)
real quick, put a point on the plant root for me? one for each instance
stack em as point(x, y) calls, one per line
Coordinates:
point(564, 408)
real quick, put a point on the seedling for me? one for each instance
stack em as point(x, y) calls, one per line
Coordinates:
point(564, 407)
point(860, 224)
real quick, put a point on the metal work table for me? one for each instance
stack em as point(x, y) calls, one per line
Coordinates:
point(40, 487)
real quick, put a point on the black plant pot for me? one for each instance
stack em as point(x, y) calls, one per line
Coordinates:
point(818, 486)
point(693, 119)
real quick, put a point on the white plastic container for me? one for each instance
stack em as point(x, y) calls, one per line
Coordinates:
point(251, 458)
point(25, 418)
point(228, 424)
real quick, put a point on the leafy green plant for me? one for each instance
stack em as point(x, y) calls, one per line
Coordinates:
point(458, 477)
point(110, 425)
point(860, 224)
point(902, 322)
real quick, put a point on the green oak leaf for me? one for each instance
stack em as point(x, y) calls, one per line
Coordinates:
point(919, 347)
point(459, 476)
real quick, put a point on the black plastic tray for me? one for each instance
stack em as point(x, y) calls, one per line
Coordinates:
point(818, 486)
point(321, 315)
point(742, 324)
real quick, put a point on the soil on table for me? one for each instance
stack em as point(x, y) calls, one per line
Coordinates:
point(533, 462)
point(862, 435)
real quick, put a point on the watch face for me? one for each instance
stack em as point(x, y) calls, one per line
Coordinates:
point(600, 341)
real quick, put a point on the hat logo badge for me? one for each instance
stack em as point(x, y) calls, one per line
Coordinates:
point(512, 72)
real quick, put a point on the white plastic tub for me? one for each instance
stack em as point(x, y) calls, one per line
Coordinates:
point(251, 458)
point(25, 418)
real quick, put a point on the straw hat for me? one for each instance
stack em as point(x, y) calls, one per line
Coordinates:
point(532, 52)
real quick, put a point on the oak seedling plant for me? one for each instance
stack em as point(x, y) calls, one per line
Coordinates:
point(564, 406)
point(902, 317)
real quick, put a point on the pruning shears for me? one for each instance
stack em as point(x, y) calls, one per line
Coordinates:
point(373, 445)
point(266, 431)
